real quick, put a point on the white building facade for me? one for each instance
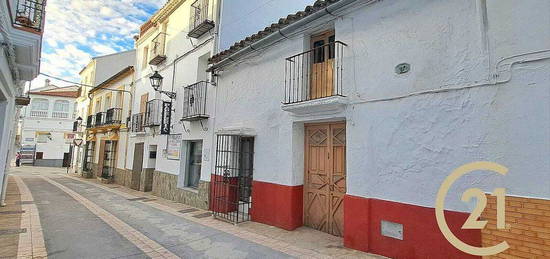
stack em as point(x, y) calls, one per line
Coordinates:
point(98, 70)
point(107, 128)
point(347, 117)
point(47, 125)
point(21, 28)
point(171, 135)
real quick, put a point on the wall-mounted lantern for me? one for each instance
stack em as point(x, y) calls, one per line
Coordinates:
point(156, 83)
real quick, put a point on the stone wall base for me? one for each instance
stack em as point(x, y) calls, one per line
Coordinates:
point(146, 180)
point(165, 185)
point(122, 177)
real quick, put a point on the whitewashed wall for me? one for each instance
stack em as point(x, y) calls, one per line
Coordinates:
point(56, 147)
point(401, 147)
point(186, 73)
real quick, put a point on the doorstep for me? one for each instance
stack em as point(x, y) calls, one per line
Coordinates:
point(303, 240)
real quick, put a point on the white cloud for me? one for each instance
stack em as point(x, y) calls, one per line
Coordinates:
point(77, 30)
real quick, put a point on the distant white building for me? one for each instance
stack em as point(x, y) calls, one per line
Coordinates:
point(47, 125)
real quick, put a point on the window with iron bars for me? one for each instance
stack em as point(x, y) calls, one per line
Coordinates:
point(88, 156)
point(30, 14)
point(232, 179)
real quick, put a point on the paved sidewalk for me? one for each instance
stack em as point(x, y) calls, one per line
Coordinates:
point(138, 224)
point(10, 221)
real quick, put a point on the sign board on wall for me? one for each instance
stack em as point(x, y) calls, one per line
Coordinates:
point(173, 147)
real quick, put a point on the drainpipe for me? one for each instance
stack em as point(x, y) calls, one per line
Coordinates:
point(130, 116)
point(283, 33)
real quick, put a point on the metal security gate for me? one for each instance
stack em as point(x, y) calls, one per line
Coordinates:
point(109, 159)
point(232, 180)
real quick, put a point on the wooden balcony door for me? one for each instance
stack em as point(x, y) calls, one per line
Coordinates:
point(325, 177)
point(322, 65)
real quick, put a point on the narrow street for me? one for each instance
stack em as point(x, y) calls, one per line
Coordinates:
point(83, 219)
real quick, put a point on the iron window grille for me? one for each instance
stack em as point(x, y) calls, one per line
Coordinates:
point(113, 116)
point(157, 49)
point(88, 156)
point(194, 102)
point(30, 14)
point(109, 159)
point(232, 180)
point(200, 21)
point(153, 113)
point(137, 122)
point(315, 74)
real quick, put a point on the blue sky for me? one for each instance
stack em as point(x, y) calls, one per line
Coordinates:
point(77, 30)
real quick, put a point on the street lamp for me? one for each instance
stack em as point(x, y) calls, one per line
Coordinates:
point(156, 83)
point(79, 120)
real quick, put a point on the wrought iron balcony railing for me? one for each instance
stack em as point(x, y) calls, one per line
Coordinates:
point(137, 122)
point(314, 74)
point(194, 102)
point(200, 21)
point(153, 113)
point(30, 14)
point(113, 116)
point(157, 51)
point(100, 119)
point(90, 121)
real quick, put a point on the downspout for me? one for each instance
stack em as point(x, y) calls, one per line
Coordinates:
point(129, 116)
point(283, 33)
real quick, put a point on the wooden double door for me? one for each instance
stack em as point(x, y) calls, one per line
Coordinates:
point(325, 177)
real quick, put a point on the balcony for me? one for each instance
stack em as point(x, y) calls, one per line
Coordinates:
point(157, 52)
point(100, 119)
point(30, 14)
point(194, 103)
point(200, 21)
point(113, 116)
point(137, 122)
point(313, 80)
point(39, 114)
point(153, 113)
point(90, 122)
point(60, 115)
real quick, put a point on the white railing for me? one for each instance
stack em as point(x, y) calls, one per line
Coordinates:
point(39, 114)
point(60, 115)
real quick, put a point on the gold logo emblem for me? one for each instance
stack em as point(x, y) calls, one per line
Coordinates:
point(472, 222)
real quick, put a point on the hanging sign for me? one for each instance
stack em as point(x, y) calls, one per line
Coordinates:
point(166, 118)
point(173, 147)
point(77, 142)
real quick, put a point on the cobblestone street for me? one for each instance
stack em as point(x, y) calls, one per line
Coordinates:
point(53, 214)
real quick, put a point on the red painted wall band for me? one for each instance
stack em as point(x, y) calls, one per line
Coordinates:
point(277, 205)
point(421, 235)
